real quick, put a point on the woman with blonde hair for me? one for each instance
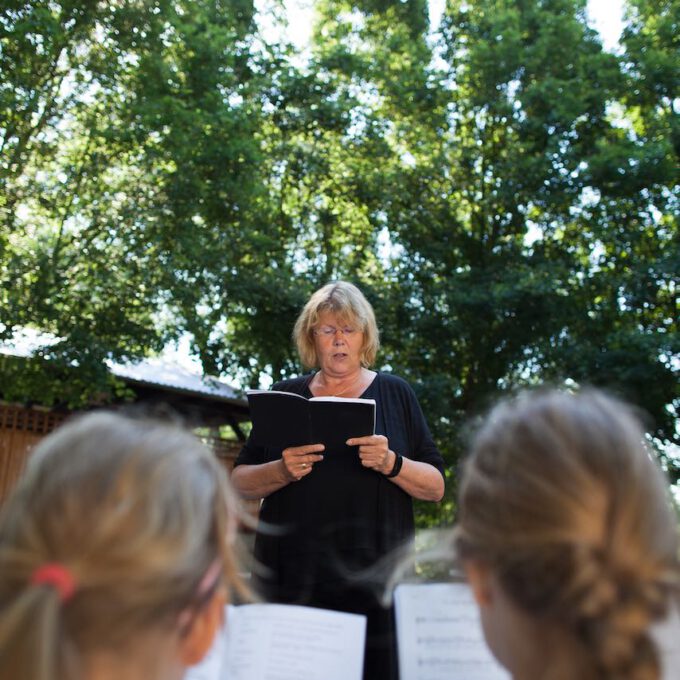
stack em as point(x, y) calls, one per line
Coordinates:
point(568, 537)
point(115, 554)
point(339, 512)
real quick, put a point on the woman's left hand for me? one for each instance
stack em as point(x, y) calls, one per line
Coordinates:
point(374, 452)
point(418, 479)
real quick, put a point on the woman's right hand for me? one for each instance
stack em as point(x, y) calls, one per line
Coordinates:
point(298, 461)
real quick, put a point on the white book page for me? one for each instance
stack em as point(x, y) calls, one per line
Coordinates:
point(285, 642)
point(667, 637)
point(344, 400)
point(288, 394)
point(440, 635)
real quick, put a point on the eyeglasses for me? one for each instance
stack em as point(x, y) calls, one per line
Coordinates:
point(330, 331)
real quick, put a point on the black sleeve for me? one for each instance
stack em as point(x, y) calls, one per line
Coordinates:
point(251, 455)
point(424, 448)
point(401, 403)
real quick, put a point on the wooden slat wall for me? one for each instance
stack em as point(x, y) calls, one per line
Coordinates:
point(20, 430)
point(226, 451)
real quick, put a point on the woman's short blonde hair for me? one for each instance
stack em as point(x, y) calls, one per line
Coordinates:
point(347, 302)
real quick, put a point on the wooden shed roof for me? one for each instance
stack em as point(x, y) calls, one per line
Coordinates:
point(204, 400)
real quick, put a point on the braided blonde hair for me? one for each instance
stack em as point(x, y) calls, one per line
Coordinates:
point(562, 498)
point(137, 512)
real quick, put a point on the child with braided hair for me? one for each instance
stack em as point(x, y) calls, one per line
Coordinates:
point(568, 538)
point(115, 554)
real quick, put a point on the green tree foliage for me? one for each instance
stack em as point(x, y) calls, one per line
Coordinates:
point(504, 191)
point(515, 256)
point(323, 180)
point(129, 171)
point(526, 88)
point(636, 177)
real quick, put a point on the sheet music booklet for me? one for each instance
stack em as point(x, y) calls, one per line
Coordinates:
point(285, 642)
point(440, 635)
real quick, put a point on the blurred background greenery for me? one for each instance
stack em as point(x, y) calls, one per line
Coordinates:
point(502, 188)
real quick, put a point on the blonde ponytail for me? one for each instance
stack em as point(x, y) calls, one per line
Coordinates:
point(107, 537)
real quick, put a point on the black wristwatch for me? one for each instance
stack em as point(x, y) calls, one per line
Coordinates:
point(396, 469)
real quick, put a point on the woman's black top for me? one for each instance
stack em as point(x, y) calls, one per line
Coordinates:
point(332, 526)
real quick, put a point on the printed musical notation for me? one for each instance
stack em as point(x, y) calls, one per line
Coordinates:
point(440, 635)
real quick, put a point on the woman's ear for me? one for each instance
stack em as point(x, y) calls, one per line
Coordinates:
point(479, 577)
point(204, 627)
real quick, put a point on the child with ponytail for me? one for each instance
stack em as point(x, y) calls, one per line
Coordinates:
point(568, 537)
point(115, 554)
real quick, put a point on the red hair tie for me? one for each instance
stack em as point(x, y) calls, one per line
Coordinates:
point(57, 576)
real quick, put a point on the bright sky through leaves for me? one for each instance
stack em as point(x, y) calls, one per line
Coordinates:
point(605, 15)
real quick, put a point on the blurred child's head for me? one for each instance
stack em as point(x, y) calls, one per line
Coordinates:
point(118, 533)
point(566, 529)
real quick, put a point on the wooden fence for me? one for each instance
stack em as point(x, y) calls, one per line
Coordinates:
point(20, 430)
point(226, 451)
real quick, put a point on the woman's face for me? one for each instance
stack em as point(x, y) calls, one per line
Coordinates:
point(338, 352)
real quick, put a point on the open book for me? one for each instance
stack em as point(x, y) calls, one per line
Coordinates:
point(285, 642)
point(284, 419)
point(440, 635)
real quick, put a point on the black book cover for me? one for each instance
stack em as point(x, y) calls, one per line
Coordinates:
point(284, 419)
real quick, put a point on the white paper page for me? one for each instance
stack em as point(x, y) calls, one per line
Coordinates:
point(290, 394)
point(344, 400)
point(287, 642)
point(440, 635)
point(667, 637)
